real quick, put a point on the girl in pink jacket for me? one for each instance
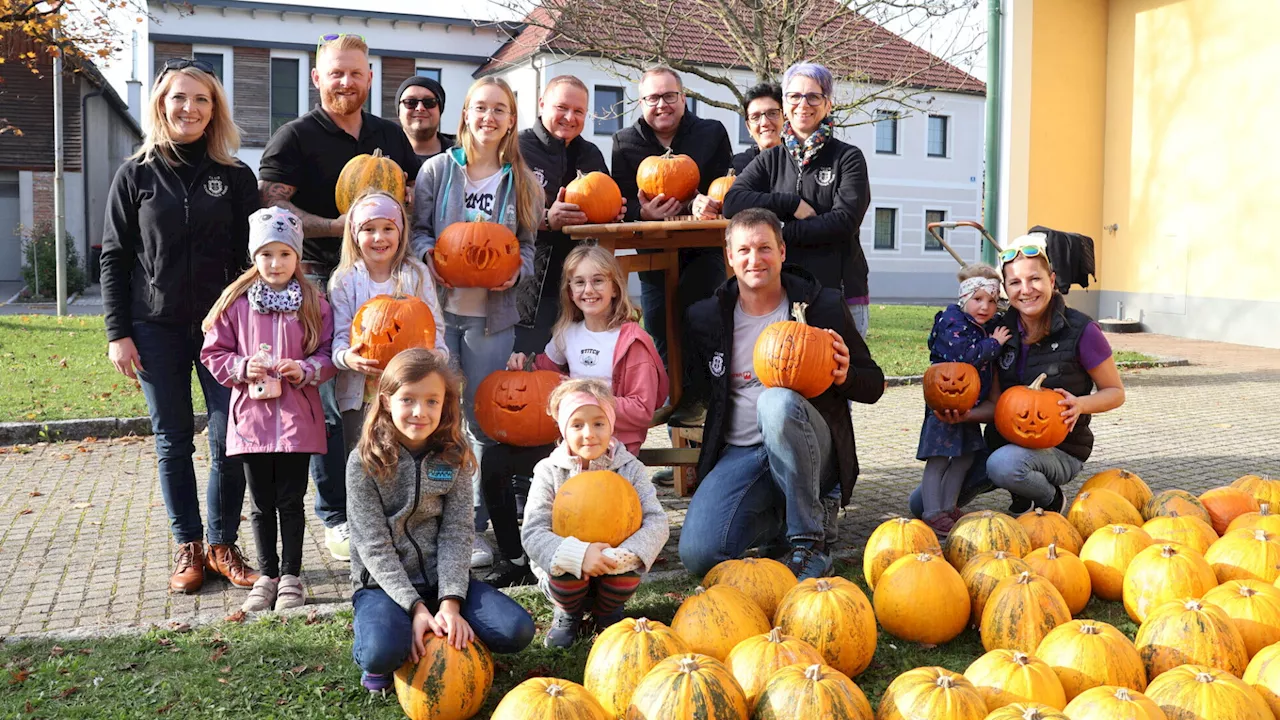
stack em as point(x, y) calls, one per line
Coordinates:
point(596, 336)
point(268, 339)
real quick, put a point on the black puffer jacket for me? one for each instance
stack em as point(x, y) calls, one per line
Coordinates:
point(835, 185)
point(706, 141)
point(168, 248)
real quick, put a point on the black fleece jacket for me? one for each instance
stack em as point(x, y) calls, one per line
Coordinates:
point(706, 141)
point(709, 339)
point(556, 163)
point(835, 185)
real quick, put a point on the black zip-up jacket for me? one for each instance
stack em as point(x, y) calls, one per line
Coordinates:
point(709, 341)
point(706, 141)
point(169, 249)
point(744, 158)
point(835, 184)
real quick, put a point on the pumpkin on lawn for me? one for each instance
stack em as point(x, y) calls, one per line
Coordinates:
point(1066, 571)
point(1245, 554)
point(1263, 675)
point(387, 325)
point(1167, 502)
point(446, 683)
point(720, 186)
point(511, 407)
point(692, 686)
point(1107, 554)
point(1045, 528)
point(1122, 482)
point(1189, 631)
point(596, 195)
point(622, 655)
point(893, 539)
point(1090, 653)
point(1093, 509)
point(476, 255)
point(1187, 530)
point(714, 620)
point(795, 355)
point(797, 692)
point(1225, 504)
point(833, 615)
point(1197, 692)
point(1263, 489)
point(1162, 573)
point(981, 575)
point(363, 173)
point(596, 506)
point(675, 176)
point(951, 386)
point(1020, 612)
point(1030, 417)
point(931, 617)
point(764, 580)
point(1004, 677)
point(1113, 703)
point(1254, 608)
point(931, 692)
point(985, 531)
point(1263, 520)
point(543, 698)
point(1027, 711)
point(754, 660)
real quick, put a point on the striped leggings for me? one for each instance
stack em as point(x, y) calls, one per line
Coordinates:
point(602, 595)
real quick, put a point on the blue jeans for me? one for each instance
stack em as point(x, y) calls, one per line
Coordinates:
point(1032, 474)
point(477, 354)
point(329, 471)
point(383, 630)
point(168, 353)
point(755, 492)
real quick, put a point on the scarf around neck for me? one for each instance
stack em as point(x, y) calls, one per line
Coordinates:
point(806, 150)
point(265, 300)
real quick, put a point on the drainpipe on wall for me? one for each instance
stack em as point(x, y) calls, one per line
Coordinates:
point(87, 240)
point(991, 188)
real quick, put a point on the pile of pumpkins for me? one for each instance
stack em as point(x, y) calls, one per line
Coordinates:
point(1198, 574)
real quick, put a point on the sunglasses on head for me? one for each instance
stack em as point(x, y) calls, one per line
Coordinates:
point(1029, 251)
point(330, 37)
point(183, 63)
point(414, 103)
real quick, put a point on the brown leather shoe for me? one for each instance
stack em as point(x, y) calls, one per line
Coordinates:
point(228, 561)
point(188, 572)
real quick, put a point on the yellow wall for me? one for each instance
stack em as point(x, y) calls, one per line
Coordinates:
point(1192, 170)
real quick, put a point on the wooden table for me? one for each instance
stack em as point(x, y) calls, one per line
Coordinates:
point(668, 237)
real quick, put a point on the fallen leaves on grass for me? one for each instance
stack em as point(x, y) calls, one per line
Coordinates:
point(18, 676)
point(166, 642)
point(68, 692)
point(313, 616)
point(235, 617)
point(537, 671)
point(166, 708)
point(56, 651)
point(176, 626)
point(217, 654)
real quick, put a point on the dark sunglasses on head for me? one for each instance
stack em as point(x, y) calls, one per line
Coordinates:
point(413, 103)
point(183, 63)
point(330, 37)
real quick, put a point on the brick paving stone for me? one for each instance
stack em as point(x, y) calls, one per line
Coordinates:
point(65, 564)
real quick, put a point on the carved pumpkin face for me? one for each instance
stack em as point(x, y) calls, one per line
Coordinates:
point(951, 386)
point(387, 325)
point(476, 254)
point(1031, 417)
point(511, 407)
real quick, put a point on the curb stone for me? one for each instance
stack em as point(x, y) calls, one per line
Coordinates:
point(15, 433)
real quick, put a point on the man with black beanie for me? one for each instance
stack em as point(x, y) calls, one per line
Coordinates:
point(419, 104)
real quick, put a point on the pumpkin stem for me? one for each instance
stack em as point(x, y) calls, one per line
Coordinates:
point(1039, 512)
point(797, 312)
point(642, 625)
point(699, 590)
point(1024, 578)
point(945, 682)
point(775, 635)
point(688, 664)
point(1122, 694)
point(1021, 658)
point(813, 673)
point(554, 690)
point(1090, 629)
point(925, 557)
point(1260, 534)
point(822, 585)
point(1036, 384)
point(1204, 677)
point(1053, 551)
point(1119, 529)
point(1246, 591)
point(1264, 509)
point(1032, 714)
point(1194, 604)
point(1168, 551)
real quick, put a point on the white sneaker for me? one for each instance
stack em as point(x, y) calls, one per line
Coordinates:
point(338, 540)
point(481, 553)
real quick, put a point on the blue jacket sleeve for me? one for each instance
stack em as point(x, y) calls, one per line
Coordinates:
point(955, 340)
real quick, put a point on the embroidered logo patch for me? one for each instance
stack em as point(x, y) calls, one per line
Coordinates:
point(542, 179)
point(826, 176)
point(589, 357)
point(215, 187)
point(440, 472)
point(1008, 357)
point(717, 364)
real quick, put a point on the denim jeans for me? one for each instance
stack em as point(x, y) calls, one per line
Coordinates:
point(976, 483)
point(701, 272)
point(329, 471)
point(1032, 474)
point(755, 492)
point(168, 353)
point(861, 318)
point(383, 630)
point(477, 354)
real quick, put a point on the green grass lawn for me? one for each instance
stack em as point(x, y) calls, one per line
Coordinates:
point(57, 368)
point(269, 669)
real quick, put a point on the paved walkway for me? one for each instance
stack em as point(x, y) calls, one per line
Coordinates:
point(84, 539)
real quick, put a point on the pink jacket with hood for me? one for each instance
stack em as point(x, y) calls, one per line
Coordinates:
point(292, 422)
point(639, 383)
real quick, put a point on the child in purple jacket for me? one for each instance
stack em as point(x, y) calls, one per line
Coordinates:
point(268, 339)
point(959, 335)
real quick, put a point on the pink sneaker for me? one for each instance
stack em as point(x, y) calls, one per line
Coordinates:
point(941, 524)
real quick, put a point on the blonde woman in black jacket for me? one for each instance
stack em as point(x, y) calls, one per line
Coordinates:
point(176, 233)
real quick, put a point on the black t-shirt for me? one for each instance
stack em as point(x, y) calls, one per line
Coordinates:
point(446, 141)
point(309, 154)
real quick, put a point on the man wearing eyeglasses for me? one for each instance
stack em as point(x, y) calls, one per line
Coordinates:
point(299, 172)
point(763, 106)
point(419, 104)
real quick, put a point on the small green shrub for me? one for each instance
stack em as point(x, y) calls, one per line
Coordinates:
point(39, 261)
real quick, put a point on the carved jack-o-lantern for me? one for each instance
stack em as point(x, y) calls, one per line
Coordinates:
point(389, 324)
point(1030, 416)
point(795, 355)
point(951, 386)
point(476, 254)
point(511, 407)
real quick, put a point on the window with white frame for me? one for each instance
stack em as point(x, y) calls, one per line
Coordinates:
point(886, 132)
point(285, 80)
point(886, 237)
point(608, 110)
point(930, 217)
point(938, 135)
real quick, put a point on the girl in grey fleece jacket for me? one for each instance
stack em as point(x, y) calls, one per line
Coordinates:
point(575, 575)
point(409, 508)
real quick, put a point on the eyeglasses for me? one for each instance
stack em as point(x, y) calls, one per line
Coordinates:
point(756, 117)
point(670, 98)
point(1030, 251)
point(810, 99)
point(597, 284)
point(497, 112)
point(413, 103)
point(330, 37)
point(183, 63)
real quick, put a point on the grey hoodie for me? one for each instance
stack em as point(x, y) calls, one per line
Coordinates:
point(439, 200)
point(545, 548)
point(415, 529)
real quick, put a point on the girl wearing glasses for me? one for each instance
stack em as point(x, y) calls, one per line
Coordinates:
point(596, 336)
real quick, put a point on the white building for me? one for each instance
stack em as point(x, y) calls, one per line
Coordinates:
point(921, 166)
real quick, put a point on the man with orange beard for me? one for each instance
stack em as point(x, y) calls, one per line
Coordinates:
point(299, 171)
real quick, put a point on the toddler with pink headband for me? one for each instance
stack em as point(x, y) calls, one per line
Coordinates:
point(580, 577)
point(375, 261)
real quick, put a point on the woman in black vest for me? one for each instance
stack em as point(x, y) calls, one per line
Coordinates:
point(1069, 348)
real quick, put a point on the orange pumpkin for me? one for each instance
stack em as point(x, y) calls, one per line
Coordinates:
point(1246, 555)
point(445, 684)
point(1089, 653)
point(1197, 692)
point(720, 186)
point(386, 325)
point(754, 660)
point(1162, 573)
point(1187, 530)
point(1190, 632)
point(1066, 571)
point(981, 575)
point(1123, 482)
point(675, 176)
point(1224, 504)
point(793, 354)
point(1004, 677)
point(476, 255)
point(544, 698)
point(1020, 612)
point(596, 195)
point(1113, 703)
point(1263, 675)
point(1263, 489)
point(764, 580)
point(1261, 520)
point(511, 407)
point(596, 506)
point(1045, 528)
point(933, 617)
point(891, 540)
point(714, 620)
point(833, 615)
point(931, 692)
point(984, 531)
point(1030, 416)
point(951, 386)
point(363, 173)
point(1254, 608)
point(1107, 554)
point(816, 691)
point(1167, 502)
point(689, 686)
point(622, 655)
point(1093, 509)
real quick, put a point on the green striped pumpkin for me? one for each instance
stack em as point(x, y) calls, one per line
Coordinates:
point(688, 687)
